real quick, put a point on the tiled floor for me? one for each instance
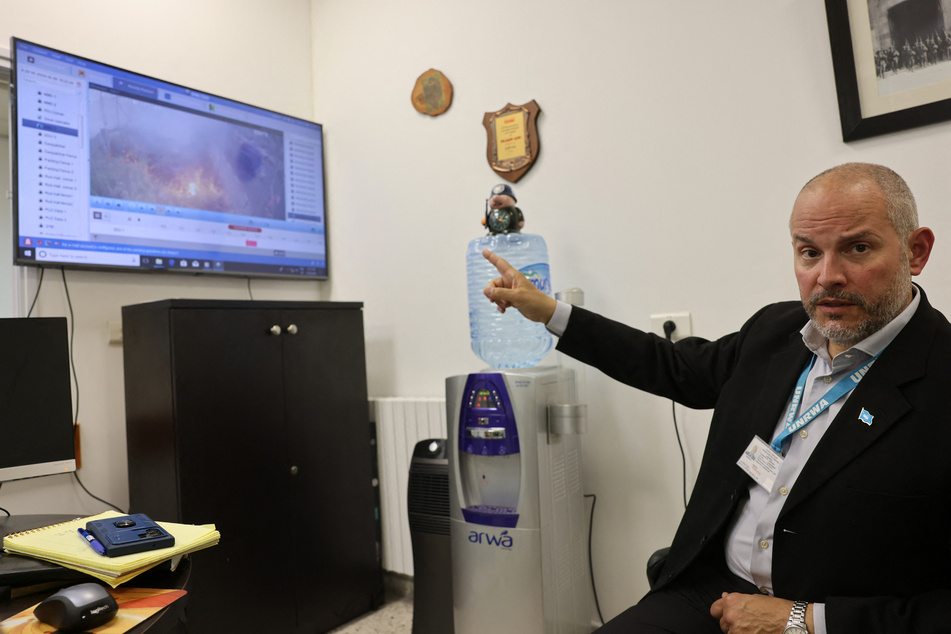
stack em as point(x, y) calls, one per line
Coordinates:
point(393, 617)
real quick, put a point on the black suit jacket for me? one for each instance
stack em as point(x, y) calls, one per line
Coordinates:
point(867, 527)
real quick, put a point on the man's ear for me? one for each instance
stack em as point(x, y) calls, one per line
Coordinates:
point(920, 243)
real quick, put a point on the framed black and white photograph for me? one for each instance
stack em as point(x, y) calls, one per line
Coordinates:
point(892, 64)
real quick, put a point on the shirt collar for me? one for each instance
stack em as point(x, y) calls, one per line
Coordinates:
point(871, 345)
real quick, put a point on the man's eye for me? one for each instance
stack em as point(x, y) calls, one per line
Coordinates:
point(809, 254)
point(860, 248)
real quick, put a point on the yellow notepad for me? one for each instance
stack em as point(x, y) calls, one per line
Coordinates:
point(62, 544)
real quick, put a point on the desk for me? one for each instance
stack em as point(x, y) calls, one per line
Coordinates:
point(170, 619)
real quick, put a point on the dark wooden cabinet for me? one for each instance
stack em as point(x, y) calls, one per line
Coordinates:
point(253, 416)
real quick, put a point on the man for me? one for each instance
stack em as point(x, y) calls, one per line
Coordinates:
point(848, 389)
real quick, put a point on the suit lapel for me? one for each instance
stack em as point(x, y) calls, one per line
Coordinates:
point(784, 369)
point(848, 436)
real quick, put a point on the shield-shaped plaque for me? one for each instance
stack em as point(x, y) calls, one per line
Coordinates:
point(512, 139)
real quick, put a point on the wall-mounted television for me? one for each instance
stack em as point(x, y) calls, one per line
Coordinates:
point(36, 425)
point(117, 170)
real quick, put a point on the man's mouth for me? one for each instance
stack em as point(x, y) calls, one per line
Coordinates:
point(835, 305)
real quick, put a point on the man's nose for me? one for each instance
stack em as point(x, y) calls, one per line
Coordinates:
point(831, 272)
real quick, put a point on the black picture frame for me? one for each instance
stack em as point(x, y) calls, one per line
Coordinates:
point(855, 126)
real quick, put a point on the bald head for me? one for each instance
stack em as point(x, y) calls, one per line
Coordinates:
point(899, 201)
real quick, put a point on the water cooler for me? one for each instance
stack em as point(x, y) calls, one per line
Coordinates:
point(517, 519)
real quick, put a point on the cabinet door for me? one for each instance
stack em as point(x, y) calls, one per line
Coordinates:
point(233, 467)
point(339, 573)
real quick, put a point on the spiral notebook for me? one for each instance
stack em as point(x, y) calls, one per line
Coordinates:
point(62, 544)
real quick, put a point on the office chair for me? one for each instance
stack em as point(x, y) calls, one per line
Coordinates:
point(655, 564)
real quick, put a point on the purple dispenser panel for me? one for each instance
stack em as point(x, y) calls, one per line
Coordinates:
point(487, 426)
point(487, 429)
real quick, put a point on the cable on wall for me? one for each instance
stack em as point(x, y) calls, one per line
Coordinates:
point(93, 496)
point(72, 338)
point(36, 295)
point(597, 604)
point(683, 456)
point(72, 366)
point(669, 328)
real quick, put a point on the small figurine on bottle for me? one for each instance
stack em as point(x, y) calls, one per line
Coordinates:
point(501, 214)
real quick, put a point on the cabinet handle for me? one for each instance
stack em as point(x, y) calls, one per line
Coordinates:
point(294, 470)
point(275, 330)
point(292, 329)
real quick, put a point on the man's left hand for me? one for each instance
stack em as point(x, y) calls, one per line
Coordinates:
point(754, 614)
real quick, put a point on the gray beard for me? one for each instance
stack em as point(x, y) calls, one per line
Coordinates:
point(879, 314)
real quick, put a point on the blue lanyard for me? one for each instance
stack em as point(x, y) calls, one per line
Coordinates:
point(844, 385)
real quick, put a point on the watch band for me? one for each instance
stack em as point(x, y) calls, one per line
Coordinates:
point(797, 618)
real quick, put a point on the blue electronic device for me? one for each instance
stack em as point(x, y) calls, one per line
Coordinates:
point(129, 534)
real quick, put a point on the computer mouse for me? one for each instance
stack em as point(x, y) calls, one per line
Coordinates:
point(77, 608)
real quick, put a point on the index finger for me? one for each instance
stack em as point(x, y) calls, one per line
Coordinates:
point(497, 261)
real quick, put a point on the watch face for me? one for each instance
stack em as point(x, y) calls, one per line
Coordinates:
point(795, 629)
point(499, 219)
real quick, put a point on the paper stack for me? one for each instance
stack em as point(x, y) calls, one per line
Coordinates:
point(62, 544)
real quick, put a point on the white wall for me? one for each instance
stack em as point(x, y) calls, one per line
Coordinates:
point(242, 49)
point(674, 138)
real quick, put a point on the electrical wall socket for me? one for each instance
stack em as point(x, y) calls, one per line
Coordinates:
point(681, 319)
point(115, 332)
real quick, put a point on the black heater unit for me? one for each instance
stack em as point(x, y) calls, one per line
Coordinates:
point(428, 502)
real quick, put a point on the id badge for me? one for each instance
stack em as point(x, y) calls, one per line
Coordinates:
point(761, 463)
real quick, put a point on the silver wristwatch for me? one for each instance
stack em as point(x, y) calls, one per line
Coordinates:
point(797, 619)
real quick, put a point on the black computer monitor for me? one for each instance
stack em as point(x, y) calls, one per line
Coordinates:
point(36, 426)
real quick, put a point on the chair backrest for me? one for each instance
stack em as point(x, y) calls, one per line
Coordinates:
point(655, 564)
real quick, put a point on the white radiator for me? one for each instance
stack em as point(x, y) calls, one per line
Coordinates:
point(400, 424)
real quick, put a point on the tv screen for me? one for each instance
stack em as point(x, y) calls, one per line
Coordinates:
point(36, 426)
point(117, 170)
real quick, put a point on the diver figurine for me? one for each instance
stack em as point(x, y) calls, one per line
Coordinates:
point(501, 214)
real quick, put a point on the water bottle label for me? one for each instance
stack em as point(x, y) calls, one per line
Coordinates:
point(538, 274)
